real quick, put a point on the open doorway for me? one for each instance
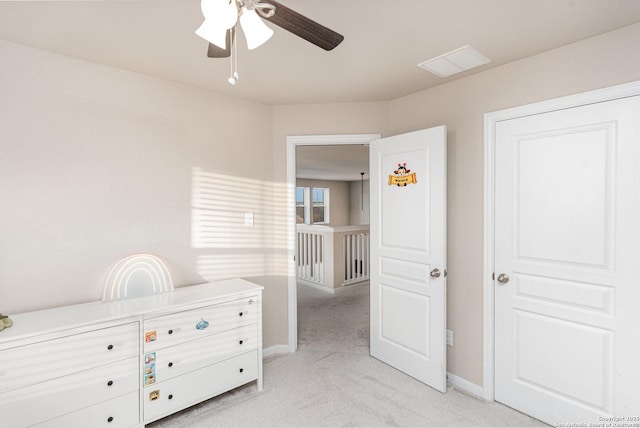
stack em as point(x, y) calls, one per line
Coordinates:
point(324, 161)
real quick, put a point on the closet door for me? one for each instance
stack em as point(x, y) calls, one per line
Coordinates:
point(567, 251)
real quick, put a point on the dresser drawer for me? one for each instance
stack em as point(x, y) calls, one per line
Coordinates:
point(43, 401)
point(177, 360)
point(176, 394)
point(121, 412)
point(180, 327)
point(30, 364)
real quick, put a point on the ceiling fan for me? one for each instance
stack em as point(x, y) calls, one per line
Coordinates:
point(221, 17)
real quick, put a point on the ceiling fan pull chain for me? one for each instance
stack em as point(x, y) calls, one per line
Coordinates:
point(235, 56)
point(233, 75)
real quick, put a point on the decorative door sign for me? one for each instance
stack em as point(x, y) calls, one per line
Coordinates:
point(402, 176)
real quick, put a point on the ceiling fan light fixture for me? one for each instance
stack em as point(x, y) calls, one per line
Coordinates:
point(213, 34)
point(219, 16)
point(222, 13)
point(255, 30)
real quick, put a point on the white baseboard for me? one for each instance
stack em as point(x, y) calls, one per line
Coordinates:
point(316, 286)
point(465, 385)
point(274, 350)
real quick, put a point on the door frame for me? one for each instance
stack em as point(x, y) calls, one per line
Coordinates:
point(292, 142)
point(490, 121)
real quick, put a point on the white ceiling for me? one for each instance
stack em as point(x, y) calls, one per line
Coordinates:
point(384, 41)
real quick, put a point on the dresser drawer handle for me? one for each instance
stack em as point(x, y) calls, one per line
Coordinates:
point(170, 332)
point(110, 347)
point(241, 313)
point(170, 364)
point(110, 383)
point(241, 370)
point(241, 341)
point(110, 419)
point(170, 397)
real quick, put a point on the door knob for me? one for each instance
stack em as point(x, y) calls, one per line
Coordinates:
point(503, 278)
point(435, 273)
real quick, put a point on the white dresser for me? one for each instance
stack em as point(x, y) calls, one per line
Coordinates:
point(129, 362)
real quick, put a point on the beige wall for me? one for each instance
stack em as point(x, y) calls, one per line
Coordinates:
point(607, 60)
point(338, 198)
point(359, 212)
point(98, 163)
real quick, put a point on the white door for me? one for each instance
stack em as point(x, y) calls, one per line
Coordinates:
point(408, 253)
point(567, 260)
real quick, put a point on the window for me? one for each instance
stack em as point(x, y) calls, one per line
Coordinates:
point(320, 198)
point(312, 205)
point(301, 204)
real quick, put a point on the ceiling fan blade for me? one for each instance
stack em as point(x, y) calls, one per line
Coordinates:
point(217, 52)
point(304, 27)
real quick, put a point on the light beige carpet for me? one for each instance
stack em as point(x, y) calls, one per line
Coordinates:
point(333, 382)
point(336, 322)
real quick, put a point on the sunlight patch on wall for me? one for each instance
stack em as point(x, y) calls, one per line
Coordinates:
point(240, 224)
point(215, 267)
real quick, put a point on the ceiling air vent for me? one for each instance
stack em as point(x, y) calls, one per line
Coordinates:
point(453, 62)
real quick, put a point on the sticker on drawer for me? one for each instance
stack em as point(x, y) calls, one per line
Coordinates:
point(202, 324)
point(150, 336)
point(154, 395)
point(149, 368)
point(149, 379)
